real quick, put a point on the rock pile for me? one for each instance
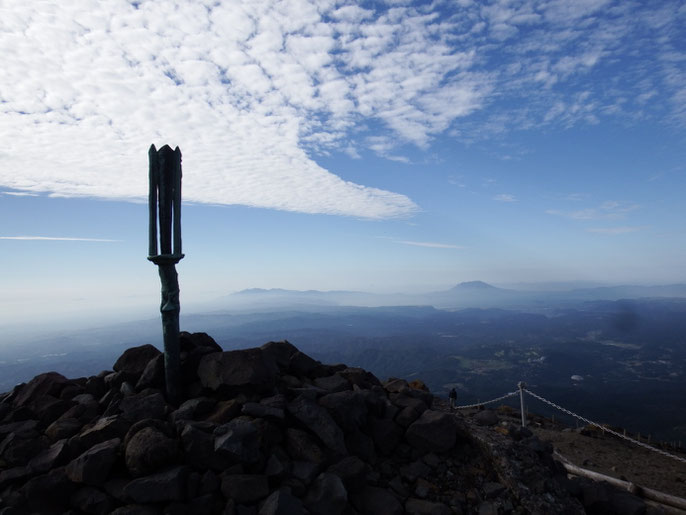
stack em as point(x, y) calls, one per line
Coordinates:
point(261, 431)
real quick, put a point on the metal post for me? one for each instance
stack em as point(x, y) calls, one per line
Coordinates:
point(521, 385)
point(165, 187)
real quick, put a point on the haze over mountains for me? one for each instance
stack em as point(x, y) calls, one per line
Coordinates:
point(472, 294)
point(613, 354)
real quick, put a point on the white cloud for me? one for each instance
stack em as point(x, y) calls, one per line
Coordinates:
point(18, 193)
point(613, 230)
point(505, 197)
point(51, 238)
point(430, 244)
point(608, 210)
point(254, 92)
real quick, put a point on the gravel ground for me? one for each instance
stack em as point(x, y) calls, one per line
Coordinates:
point(601, 452)
point(620, 459)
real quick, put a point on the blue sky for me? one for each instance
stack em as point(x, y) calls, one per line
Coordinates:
point(378, 146)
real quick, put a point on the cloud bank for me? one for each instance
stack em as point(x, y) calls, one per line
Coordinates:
point(53, 238)
point(253, 92)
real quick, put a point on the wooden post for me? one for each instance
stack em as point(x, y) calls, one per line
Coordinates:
point(521, 385)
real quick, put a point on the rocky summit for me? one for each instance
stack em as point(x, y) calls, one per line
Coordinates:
point(266, 431)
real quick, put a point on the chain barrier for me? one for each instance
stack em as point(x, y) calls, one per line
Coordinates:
point(603, 428)
point(511, 394)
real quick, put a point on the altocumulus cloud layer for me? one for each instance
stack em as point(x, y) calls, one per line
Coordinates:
point(252, 91)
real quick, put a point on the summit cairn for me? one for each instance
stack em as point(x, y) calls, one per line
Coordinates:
point(261, 431)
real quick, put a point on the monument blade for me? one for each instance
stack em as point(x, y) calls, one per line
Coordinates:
point(165, 213)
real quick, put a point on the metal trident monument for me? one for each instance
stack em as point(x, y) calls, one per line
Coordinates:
point(165, 191)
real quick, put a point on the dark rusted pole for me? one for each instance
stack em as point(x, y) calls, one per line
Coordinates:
point(165, 189)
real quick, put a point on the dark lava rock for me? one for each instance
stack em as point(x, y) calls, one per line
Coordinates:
point(141, 406)
point(373, 500)
point(149, 450)
point(48, 492)
point(50, 383)
point(168, 485)
point(91, 500)
point(245, 488)
point(318, 420)
point(249, 367)
point(134, 360)
point(264, 431)
point(238, 439)
point(152, 375)
point(421, 507)
point(486, 418)
point(434, 431)
point(327, 495)
point(282, 502)
point(93, 466)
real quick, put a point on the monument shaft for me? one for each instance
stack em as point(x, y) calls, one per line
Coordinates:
point(165, 200)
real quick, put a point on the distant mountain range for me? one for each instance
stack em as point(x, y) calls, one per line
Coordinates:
point(472, 294)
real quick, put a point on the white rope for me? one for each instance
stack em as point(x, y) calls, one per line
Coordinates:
point(606, 429)
point(511, 394)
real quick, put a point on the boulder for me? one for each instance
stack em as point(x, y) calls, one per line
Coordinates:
point(198, 447)
point(386, 434)
point(91, 500)
point(394, 385)
point(352, 471)
point(360, 377)
point(105, 428)
point(21, 429)
point(318, 420)
point(152, 375)
point(166, 486)
point(194, 409)
point(49, 408)
point(302, 365)
point(415, 470)
point(11, 475)
point(422, 507)
point(333, 383)
point(49, 383)
point(141, 406)
point(193, 347)
point(259, 410)
point(224, 411)
point(282, 502)
point(347, 408)
point(190, 342)
point(301, 446)
point(135, 509)
point(373, 500)
point(327, 495)
point(63, 428)
point(149, 450)
point(50, 458)
point(93, 466)
point(18, 450)
point(434, 431)
point(486, 417)
point(48, 492)
point(238, 439)
point(245, 488)
point(361, 445)
point(239, 368)
point(305, 471)
point(134, 360)
point(280, 353)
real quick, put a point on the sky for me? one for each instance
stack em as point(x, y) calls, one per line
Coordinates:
point(383, 146)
